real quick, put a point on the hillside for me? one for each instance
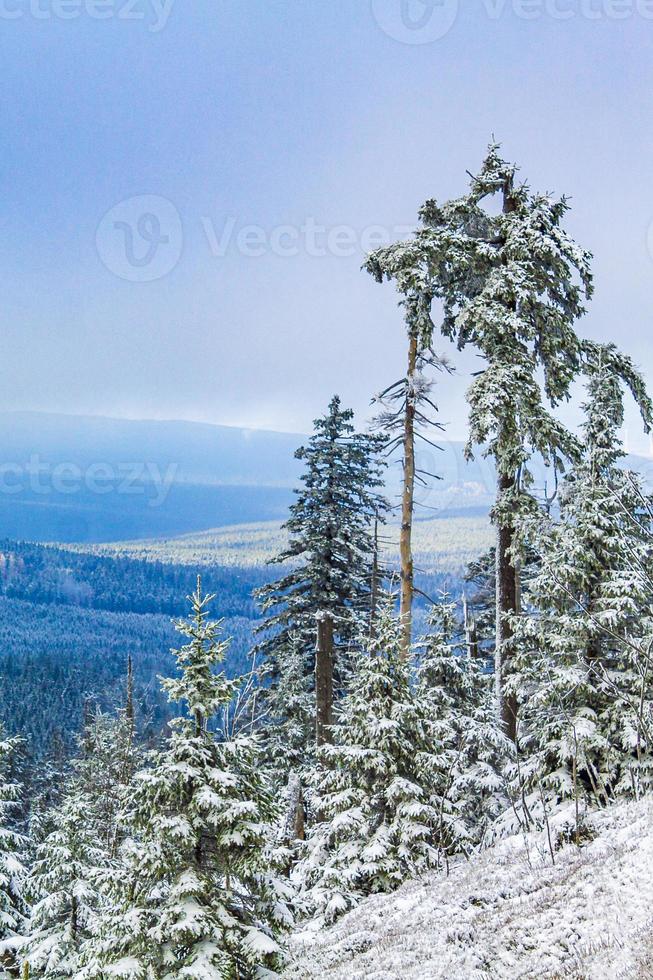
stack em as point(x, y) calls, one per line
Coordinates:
point(508, 912)
point(193, 452)
point(442, 545)
point(68, 622)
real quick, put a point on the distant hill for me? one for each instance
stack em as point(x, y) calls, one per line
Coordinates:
point(86, 517)
point(73, 479)
point(198, 453)
point(442, 546)
point(76, 479)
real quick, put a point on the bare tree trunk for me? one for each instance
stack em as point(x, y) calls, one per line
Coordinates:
point(507, 605)
point(471, 633)
point(408, 506)
point(324, 678)
point(129, 702)
point(507, 585)
point(295, 826)
point(374, 583)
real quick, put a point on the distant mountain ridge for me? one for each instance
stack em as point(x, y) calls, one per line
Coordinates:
point(91, 479)
point(199, 452)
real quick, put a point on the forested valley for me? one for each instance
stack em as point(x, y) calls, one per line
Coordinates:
point(340, 719)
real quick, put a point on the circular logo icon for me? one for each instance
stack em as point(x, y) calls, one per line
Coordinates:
point(140, 239)
point(415, 21)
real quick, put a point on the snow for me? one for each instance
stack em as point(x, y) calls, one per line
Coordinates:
point(508, 912)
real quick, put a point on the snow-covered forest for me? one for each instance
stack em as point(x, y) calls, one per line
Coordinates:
point(374, 796)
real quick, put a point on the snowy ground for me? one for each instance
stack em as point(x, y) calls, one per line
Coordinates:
point(508, 913)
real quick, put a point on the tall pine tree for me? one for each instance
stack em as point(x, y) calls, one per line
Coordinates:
point(511, 285)
point(330, 557)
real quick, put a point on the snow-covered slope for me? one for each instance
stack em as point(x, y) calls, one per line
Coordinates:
point(508, 913)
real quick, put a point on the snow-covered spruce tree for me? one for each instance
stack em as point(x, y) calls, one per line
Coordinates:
point(375, 818)
point(12, 854)
point(75, 844)
point(103, 772)
point(196, 895)
point(466, 747)
point(330, 551)
point(511, 285)
point(583, 659)
point(290, 713)
point(62, 890)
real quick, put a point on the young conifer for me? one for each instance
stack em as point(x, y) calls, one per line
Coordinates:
point(196, 895)
point(376, 818)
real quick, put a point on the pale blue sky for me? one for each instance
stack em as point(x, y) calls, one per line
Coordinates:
point(291, 113)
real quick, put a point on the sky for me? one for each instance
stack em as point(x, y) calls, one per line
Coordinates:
point(188, 188)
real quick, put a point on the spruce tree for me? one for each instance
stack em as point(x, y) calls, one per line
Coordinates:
point(330, 554)
point(62, 889)
point(375, 816)
point(467, 750)
point(196, 895)
point(75, 844)
point(103, 772)
point(582, 655)
point(12, 847)
point(511, 285)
